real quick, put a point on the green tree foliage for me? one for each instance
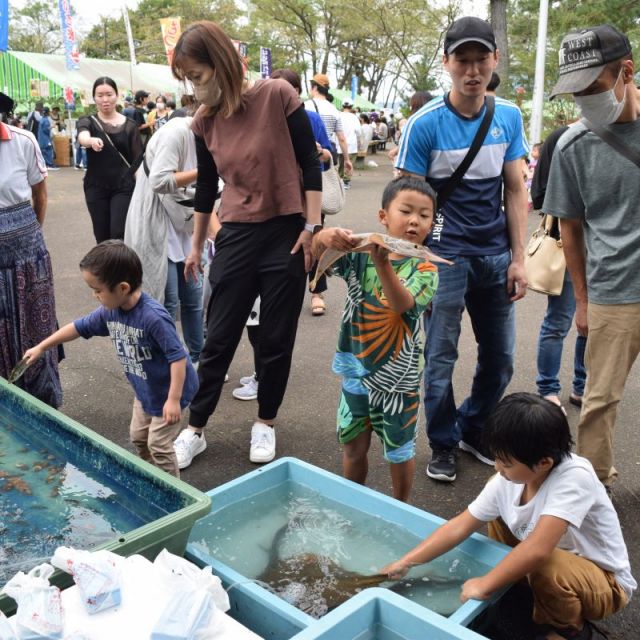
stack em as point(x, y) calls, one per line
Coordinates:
point(108, 39)
point(371, 39)
point(35, 28)
point(564, 17)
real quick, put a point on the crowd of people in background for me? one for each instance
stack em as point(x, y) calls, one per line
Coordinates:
point(156, 233)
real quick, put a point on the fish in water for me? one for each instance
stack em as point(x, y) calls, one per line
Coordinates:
point(316, 584)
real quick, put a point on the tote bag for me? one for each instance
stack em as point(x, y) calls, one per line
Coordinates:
point(332, 191)
point(544, 259)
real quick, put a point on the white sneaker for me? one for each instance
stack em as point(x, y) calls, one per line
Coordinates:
point(263, 443)
point(247, 379)
point(247, 391)
point(187, 446)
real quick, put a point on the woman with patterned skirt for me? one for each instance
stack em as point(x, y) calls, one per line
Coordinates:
point(27, 305)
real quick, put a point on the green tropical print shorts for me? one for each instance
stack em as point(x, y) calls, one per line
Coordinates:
point(393, 417)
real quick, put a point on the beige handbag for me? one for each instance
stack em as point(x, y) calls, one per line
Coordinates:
point(332, 191)
point(544, 259)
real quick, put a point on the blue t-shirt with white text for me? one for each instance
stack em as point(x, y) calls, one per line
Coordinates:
point(146, 342)
point(434, 142)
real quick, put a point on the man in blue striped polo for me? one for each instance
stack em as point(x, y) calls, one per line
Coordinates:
point(471, 228)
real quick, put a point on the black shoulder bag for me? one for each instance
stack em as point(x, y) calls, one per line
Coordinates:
point(613, 141)
point(454, 181)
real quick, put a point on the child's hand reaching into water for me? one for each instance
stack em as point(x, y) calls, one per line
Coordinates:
point(33, 354)
point(396, 570)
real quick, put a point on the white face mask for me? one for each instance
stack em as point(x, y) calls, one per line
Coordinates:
point(601, 108)
point(208, 94)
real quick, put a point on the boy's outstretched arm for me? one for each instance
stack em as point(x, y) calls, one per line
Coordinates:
point(399, 297)
point(443, 539)
point(525, 557)
point(65, 334)
point(171, 411)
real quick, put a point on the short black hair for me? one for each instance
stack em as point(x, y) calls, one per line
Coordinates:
point(104, 80)
point(113, 262)
point(527, 428)
point(407, 183)
point(494, 83)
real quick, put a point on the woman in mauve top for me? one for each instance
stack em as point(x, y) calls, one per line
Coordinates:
point(257, 138)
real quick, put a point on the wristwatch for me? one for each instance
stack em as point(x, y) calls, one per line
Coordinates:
point(312, 228)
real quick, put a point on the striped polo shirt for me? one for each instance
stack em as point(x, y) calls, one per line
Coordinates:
point(434, 142)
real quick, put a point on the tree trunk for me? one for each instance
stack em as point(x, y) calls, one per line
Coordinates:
point(498, 10)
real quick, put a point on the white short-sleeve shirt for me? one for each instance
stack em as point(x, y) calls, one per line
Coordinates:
point(22, 165)
point(571, 492)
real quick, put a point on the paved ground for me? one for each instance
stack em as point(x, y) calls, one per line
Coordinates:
point(98, 396)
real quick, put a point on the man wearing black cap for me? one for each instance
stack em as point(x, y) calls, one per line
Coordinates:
point(484, 241)
point(595, 190)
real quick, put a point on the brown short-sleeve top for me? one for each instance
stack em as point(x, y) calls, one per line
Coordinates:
point(254, 155)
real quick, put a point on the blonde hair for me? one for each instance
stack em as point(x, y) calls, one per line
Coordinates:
point(206, 43)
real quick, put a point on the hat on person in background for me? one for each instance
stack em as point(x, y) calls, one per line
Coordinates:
point(128, 99)
point(469, 29)
point(46, 110)
point(347, 105)
point(584, 54)
point(140, 95)
point(6, 103)
point(321, 80)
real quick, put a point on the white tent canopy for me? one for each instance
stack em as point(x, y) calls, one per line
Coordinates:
point(154, 78)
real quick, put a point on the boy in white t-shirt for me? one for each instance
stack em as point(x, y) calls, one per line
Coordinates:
point(549, 505)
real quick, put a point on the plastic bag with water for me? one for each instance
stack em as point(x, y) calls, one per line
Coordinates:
point(39, 612)
point(97, 575)
point(197, 595)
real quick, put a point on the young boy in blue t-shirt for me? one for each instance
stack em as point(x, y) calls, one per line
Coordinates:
point(379, 354)
point(147, 344)
point(549, 505)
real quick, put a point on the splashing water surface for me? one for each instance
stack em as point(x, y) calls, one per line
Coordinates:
point(302, 534)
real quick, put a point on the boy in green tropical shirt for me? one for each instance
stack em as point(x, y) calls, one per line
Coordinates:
point(380, 347)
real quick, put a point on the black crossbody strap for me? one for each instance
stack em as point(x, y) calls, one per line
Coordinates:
point(453, 182)
point(110, 141)
point(613, 141)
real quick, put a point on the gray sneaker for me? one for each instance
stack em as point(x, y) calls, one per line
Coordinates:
point(246, 391)
point(247, 379)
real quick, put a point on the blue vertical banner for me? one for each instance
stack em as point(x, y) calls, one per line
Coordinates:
point(71, 53)
point(354, 87)
point(265, 62)
point(4, 25)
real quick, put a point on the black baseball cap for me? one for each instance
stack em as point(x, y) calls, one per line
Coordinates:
point(469, 29)
point(584, 54)
point(140, 94)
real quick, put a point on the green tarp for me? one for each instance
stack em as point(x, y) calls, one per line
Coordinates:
point(18, 69)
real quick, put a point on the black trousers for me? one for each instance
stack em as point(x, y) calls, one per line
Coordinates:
point(108, 210)
point(252, 259)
